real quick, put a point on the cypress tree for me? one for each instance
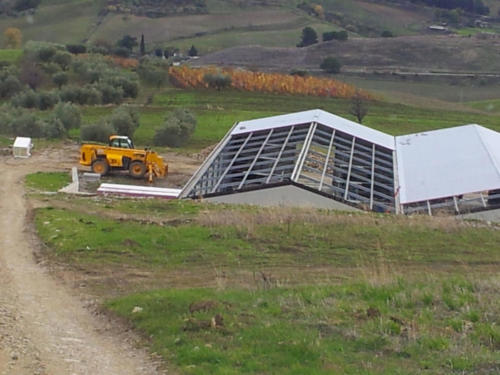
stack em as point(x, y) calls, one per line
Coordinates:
point(143, 46)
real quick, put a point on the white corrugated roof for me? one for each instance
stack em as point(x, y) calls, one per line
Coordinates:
point(447, 162)
point(321, 117)
point(24, 142)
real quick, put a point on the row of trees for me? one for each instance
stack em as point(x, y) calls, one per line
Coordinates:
point(309, 36)
point(84, 80)
point(184, 76)
point(16, 121)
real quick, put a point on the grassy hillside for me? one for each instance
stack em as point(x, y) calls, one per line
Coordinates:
point(412, 54)
point(57, 21)
point(286, 291)
point(223, 23)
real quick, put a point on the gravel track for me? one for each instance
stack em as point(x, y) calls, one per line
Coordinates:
point(45, 328)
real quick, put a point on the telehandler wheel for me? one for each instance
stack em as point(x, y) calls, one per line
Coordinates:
point(137, 169)
point(100, 166)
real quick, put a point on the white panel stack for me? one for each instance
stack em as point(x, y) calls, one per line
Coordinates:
point(139, 191)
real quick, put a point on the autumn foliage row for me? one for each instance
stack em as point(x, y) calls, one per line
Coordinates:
point(265, 82)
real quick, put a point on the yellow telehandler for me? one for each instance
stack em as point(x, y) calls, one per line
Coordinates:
point(120, 154)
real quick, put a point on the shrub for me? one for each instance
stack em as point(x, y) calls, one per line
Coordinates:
point(129, 86)
point(124, 120)
point(91, 95)
point(217, 80)
point(386, 34)
point(128, 42)
point(6, 119)
point(81, 95)
point(50, 68)
point(177, 129)
point(299, 72)
point(46, 53)
point(110, 94)
point(153, 71)
point(25, 99)
point(101, 46)
point(121, 51)
point(331, 65)
point(27, 124)
point(76, 49)
point(309, 37)
point(337, 35)
point(63, 59)
point(41, 51)
point(68, 114)
point(9, 86)
point(96, 132)
point(53, 128)
point(60, 79)
point(30, 99)
point(46, 100)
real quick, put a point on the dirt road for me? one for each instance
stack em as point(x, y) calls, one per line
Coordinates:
point(44, 327)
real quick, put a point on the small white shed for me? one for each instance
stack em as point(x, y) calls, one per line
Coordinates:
point(22, 147)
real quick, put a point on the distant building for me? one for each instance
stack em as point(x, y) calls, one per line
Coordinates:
point(438, 28)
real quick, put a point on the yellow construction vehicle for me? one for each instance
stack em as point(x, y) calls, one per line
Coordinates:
point(120, 154)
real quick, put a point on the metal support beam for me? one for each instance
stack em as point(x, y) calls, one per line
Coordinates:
point(482, 199)
point(325, 167)
point(255, 159)
point(279, 155)
point(232, 162)
point(456, 204)
point(302, 156)
point(348, 180)
point(396, 186)
point(189, 186)
point(429, 210)
point(373, 177)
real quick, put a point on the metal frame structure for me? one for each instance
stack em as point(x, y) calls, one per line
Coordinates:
point(334, 163)
point(452, 171)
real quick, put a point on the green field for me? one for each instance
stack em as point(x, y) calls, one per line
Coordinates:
point(217, 111)
point(491, 106)
point(290, 291)
point(435, 326)
point(10, 55)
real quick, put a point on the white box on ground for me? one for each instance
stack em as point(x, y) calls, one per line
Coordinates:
point(22, 147)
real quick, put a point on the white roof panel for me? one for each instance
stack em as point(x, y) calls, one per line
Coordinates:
point(447, 162)
point(24, 142)
point(321, 117)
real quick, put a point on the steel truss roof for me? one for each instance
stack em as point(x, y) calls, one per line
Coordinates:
point(455, 169)
point(348, 168)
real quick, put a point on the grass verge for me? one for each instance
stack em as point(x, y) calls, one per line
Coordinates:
point(47, 181)
point(249, 238)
